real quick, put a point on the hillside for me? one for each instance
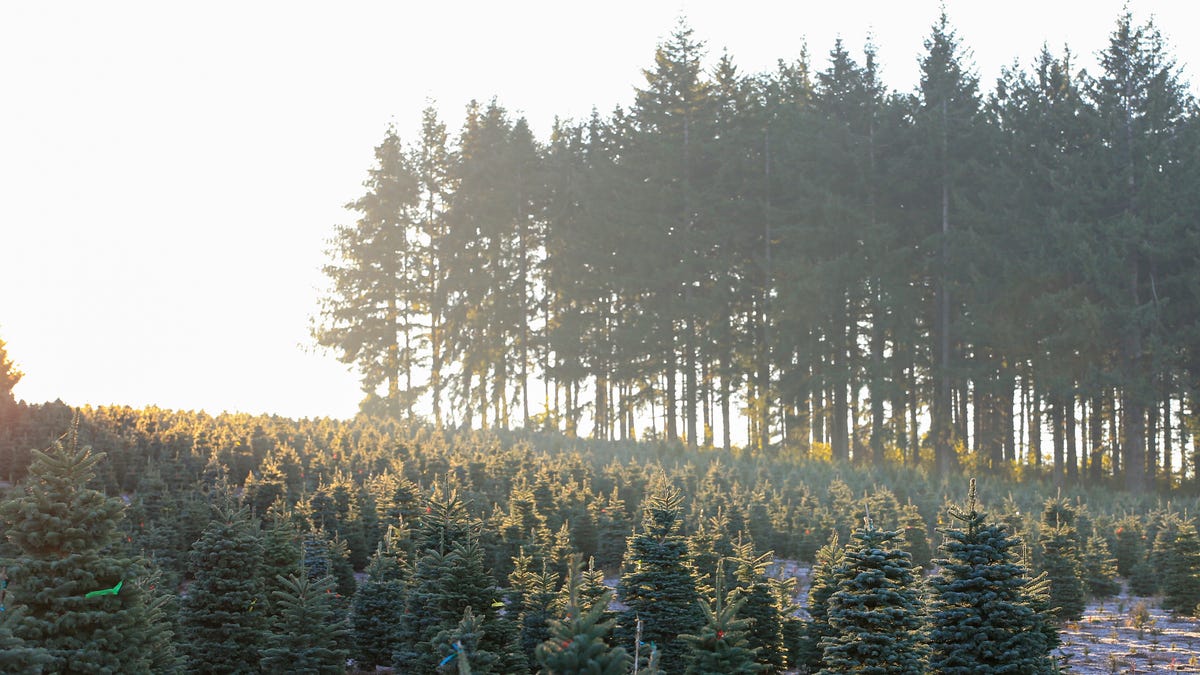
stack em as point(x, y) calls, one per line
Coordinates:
point(340, 499)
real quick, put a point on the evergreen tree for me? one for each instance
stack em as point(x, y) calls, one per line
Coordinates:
point(449, 577)
point(532, 600)
point(915, 535)
point(760, 608)
point(322, 555)
point(64, 535)
point(377, 609)
point(829, 559)
point(464, 649)
point(9, 376)
point(1177, 546)
point(1130, 544)
point(306, 635)
point(1064, 569)
point(1100, 568)
point(658, 586)
point(368, 315)
point(982, 615)
point(720, 646)
point(281, 554)
point(578, 640)
point(875, 613)
point(223, 620)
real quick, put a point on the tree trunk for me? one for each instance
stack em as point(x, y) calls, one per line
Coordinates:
point(1056, 435)
point(1072, 449)
point(670, 407)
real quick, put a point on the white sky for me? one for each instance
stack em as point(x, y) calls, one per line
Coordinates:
point(169, 172)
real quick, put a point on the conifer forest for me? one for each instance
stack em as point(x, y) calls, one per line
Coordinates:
point(781, 372)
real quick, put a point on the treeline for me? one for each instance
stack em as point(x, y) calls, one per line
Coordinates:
point(943, 276)
point(279, 545)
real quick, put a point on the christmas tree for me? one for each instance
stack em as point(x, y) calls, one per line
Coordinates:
point(223, 620)
point(761, 608)
point(80, 599)
point(1061, 559)
point(532, 600)
point(449, 577)
point(1064, 569)
point(658, 586)
point(720, 646)
point(875, 613)
point(306, 634)
point(1099, 568)
point(982, 615)
point(824, 582)
point(378, 608)
point(1177, 546)
point(577, 642)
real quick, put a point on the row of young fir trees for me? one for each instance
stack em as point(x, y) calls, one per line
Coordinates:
point(804, 255)
point(263, 598)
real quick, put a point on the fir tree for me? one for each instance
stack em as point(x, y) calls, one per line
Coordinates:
point(281, 554)
point(824, 582)
point(720, 646)
point(1063, 567)
point(875, 613)
point(761, 608)
point(443, 587)
point(915, 535)
point(465, 647)
point(65, 537)
point(578, 640)
point(306, 635)
point(1099, 568)
point(1130, 548)
point(377, 609)
point(982, 616)
point(658, 586)
point(223, 619)
point(532, 601)
point(1177, 546)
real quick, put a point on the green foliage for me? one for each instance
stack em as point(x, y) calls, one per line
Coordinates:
point(306, 635)
point(658, 586)
point(1177, 550)
point(720, 646)
point(761, 606)
point(578, 639)
point(875, 615)
point(1130, 544)
point(1099, 568)
point(1063, 565)
point(983, 616)
point(15, 655)
point(377, 610)
point(64, 535)
point(823, 584)
point(223, 619)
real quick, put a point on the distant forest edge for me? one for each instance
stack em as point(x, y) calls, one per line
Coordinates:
point(1003, 278)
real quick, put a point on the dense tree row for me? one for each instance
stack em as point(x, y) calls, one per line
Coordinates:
point(471, 546)
point(941, 276)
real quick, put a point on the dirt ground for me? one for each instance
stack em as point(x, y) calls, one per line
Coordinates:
point(1108, 640)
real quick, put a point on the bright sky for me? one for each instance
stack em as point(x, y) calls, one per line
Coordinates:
point(169, 172)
